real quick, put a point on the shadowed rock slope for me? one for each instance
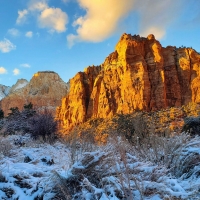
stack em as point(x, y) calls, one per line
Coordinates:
point(139, 75)
point(45, 90)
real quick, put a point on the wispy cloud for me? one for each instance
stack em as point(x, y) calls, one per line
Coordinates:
point(29, 34)
point(65, 1)
point(156, 16)
point(159, 32)
point(22, 15)
point(37, 5)
point(14, 32)
point(54, 19)
point(16, 72)
point(51, 18)
point(6, 46)
point(26, 65)
point(101, 20)
point(3, 70)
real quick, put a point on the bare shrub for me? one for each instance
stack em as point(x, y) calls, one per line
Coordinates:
point(43, 125)
point(121, 162)
point(5, 147)
point(61, 187)
point(160, 150)
point(86, 174)
point(103, 172)
point(79, 142)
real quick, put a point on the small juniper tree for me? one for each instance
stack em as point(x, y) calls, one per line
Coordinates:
point(1, 114)
point(28, 111)
point(14, 111)
point(28, 106)
point(19, 121)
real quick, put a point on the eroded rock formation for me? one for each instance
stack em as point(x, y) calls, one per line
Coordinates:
point(139, 75)
point(45, 90)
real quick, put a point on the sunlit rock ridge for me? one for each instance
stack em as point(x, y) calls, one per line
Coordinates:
point(45, 90)
point(139, 75)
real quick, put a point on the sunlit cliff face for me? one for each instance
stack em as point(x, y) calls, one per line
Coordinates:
point(36, 75)
point(139, 75)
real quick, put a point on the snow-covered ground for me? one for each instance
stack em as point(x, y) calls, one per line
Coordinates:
point(28, 171)
point(42, 171)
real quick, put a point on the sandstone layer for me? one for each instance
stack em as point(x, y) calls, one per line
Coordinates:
point(139, 75)
point(45, 90)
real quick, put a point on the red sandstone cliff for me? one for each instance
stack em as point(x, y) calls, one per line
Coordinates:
point(139, 75)
point(45, 90)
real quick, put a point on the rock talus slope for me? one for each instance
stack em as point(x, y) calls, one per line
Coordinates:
point(139, 75)
point(45, 90)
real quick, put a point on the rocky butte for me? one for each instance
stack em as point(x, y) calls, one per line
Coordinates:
point(45, 90)
point(139, 75)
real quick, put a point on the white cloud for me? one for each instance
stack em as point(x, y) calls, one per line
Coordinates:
point(101, 20)
point(71, 39)
point(16, 71)
point(6, 46)
point(29, 34)
point(54, 19)
point(22, 15)
point(3, 70)
point(158, 32)
point(26, 65)
point(38, 5)
point(156, 16)
point(14, 32)
point(51, 18)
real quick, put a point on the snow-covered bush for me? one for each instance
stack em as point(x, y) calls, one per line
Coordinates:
point(187, 162)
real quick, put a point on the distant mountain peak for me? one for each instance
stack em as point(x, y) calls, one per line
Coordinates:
point(4, 91)
point(44, 90)
point(19, 85)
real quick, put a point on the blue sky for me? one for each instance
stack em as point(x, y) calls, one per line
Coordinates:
point(66, 36)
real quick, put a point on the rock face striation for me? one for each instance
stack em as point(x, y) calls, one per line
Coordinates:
point(139, 75)
point(45, 90)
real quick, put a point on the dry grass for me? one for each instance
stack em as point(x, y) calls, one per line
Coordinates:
point(5, 147)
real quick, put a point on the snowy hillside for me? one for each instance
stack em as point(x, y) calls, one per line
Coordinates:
point(35, 170)
point(18, 85)
point(4, 91)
